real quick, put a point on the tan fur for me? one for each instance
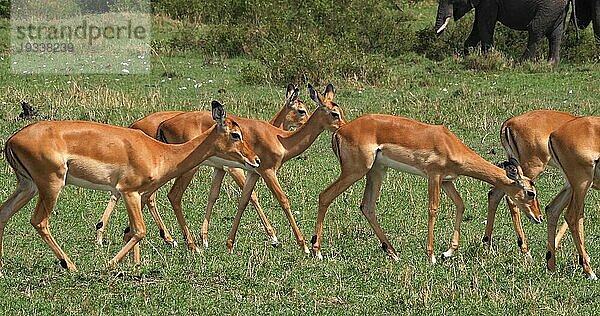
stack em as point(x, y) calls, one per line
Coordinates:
point(575, 147)
point(293, 113)
point(48, 155)
point(370, 144)
point(525, 138)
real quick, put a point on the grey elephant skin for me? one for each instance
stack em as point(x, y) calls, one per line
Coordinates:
point(539, 17)
point(586, 12)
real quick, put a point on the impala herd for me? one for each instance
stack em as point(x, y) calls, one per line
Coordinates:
point(132, 163)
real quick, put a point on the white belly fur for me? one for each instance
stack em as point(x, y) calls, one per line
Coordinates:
point(391, 163)
point(217, 162)
point(88, 185)
point(386, 161)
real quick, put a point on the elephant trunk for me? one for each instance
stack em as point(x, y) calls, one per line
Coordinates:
point(444, 14)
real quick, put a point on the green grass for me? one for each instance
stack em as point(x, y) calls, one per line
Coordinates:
point(355, 277)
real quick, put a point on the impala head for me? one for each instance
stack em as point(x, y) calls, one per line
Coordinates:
point(298, 112)
point(230, 143)
point(448, 9)
point(330, 112)
point(522, 191)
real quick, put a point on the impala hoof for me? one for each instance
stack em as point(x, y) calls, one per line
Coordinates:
point(112, 264)
point(447, 254)
point(306, 250)
point(274, 241)
point(432, 260)
point(205, 243)
point(593, 276)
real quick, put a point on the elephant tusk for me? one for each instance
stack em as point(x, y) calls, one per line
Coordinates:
point(443, 27)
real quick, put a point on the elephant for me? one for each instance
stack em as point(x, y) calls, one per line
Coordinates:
point(538, 17)
point(587, 11)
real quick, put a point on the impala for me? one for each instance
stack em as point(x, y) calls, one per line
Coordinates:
point(370, 144)
point(46, 156)
point(149, 125)
point(525, 138)
point(273, 145)
point(293, 114)
point(575, 147)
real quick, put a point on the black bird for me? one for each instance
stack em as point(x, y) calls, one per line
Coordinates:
point(28, 112)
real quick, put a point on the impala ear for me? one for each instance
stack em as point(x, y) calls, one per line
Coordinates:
point(290, 90)
point(218, 112)
point(329, 92)
point(292, 96)
point(314, 95)
point(512, 171)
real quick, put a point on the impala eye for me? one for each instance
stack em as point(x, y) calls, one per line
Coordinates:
point(335, 115)
point(530, 193)
point(236, 136)
point(301, 112)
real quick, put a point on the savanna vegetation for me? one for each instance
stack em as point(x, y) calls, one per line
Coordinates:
point(382, 57)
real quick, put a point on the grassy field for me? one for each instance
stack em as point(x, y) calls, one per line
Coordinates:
point(355, 277)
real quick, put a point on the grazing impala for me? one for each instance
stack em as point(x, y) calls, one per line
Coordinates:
point(575, 147)
point(274, 146)
point(370, 144)
point(46, 156)
point(525, 138)
point(293, 114)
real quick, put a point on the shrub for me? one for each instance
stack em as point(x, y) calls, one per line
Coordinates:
point(5, 9)
point(494, 60)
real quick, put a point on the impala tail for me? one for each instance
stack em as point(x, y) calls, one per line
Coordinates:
point(509, 143)
point(15, 163)
point(335, 146)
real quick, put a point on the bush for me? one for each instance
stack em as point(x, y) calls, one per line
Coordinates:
point(494, 60)
point(5, 9)
point(322, 40)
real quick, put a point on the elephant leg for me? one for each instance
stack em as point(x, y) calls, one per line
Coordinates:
point(473, 39)
point(596, 20)
point(554, 39)
point(486, 26)
point(532, 41)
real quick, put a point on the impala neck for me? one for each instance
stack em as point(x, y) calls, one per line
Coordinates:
point(298, 141)
point(180, 158)
point(279, 119)
point(475, 166)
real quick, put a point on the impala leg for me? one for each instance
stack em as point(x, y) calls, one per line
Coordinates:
point(561, 233)
point(558, 204)
point(101, 225)
point(553, 211)
point(515, 215)
point(574, 219)
point(175, 196)
point(433, 192)
point(494, 197)
point(367, 207)
point(162, 228)
point(213, 195)
point(246, 192)
point(343, 182)
point(136, 252)
point(273, 184)
point(451, 191)
point(24, 192)
point(39, 220)
point(240, 178)
point(133, 202)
